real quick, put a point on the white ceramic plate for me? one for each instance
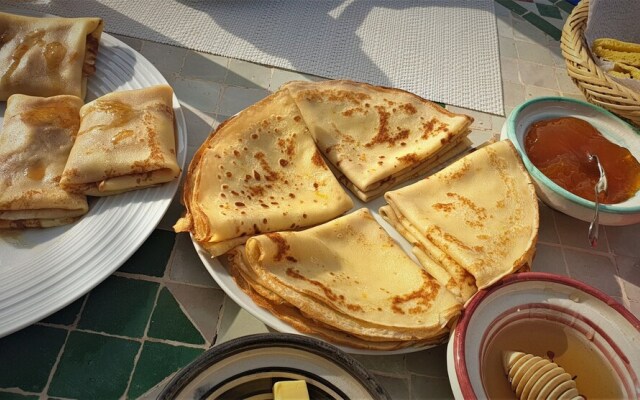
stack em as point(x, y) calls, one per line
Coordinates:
point(41, 271)
point(226, 282)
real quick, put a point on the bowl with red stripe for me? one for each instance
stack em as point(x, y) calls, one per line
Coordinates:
point(577, 327)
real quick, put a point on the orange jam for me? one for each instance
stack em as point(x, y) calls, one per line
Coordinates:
point(559, 148)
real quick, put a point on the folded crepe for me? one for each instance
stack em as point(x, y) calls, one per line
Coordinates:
point(47, 56)
point(259, 172)
point(350, 275)
point(291, 315)
point(471, 223)
point(375, 135)
point(35, 141)
point(126, 141)
point(450, 152)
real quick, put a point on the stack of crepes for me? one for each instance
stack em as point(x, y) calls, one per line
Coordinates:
point(377, 137)
point(471, 223)
point(259, 172)
point(264, 169)
point(347, 281)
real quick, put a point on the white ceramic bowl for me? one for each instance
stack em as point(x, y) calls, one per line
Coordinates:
point(248, 366)
point(612, 127)
point(535, 311)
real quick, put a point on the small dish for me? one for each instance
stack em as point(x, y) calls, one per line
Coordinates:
point(581, 329)
point(612, 127)
point(248, 367)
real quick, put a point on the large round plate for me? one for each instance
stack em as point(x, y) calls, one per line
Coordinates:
point(222, 277)
point(41, 271)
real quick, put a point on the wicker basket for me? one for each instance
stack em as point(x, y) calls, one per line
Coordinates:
point(594, 83)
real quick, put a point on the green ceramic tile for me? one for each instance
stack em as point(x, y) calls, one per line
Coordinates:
point(67, 316)
point(152, 257)
point(565, 5)
point(543, 25)
point(27, 356)
point(549, 11)
point(94, 366)
point(16, 396)
point(513, 6)
point(157, 361)
point(169, 322)
point(119, 306)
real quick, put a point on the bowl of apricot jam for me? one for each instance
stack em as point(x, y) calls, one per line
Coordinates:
point(556, 135)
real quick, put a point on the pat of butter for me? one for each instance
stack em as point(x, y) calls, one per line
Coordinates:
point(290, 390)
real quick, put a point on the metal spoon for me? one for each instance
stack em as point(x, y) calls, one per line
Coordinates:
point(601, 186)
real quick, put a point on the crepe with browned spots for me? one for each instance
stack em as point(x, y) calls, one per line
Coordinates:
point(259, 172)
point(126, 141)
point(349, 276)
point(476, 220)
point(377, 137)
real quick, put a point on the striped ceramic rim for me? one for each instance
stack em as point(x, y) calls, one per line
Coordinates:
point(248, 343)
point(461, 330)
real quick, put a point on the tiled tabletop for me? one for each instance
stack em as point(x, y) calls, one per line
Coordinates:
point(161, 309)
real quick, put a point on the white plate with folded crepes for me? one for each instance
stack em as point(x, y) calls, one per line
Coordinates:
point(311, 211)
point(44, 269)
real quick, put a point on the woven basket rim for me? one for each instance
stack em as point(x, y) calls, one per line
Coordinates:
point(594, 83)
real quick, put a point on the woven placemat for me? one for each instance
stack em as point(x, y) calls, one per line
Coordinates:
point(442, 50)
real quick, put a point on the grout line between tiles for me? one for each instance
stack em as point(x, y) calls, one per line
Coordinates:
point(160, 280)
point(19, 391)
point(218, 323)
point(186, 314)
point(69, 329)
point(564, 256)
point(142, 341)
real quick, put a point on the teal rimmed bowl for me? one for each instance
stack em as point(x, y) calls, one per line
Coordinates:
point(611, 127)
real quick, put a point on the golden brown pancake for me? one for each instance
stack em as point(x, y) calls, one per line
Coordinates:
point(375, 135)
point(292, 316)
point(259, 172)
point(478, 216)
point(35, 141)
point(47, 56)
point(126, 141)
point(349, 274)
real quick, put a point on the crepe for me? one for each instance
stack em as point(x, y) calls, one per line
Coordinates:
point(47, 56)
point(372, 134)
point(294, 317)
point(349, 274)
point(477, 219)
point(452, 151)
point(126, 141)
point(35, 140)
point(260, 172)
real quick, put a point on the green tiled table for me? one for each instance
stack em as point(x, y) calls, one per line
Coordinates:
point(161, 309)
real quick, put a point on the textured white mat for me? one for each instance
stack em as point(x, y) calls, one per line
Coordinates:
point(443, 50)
